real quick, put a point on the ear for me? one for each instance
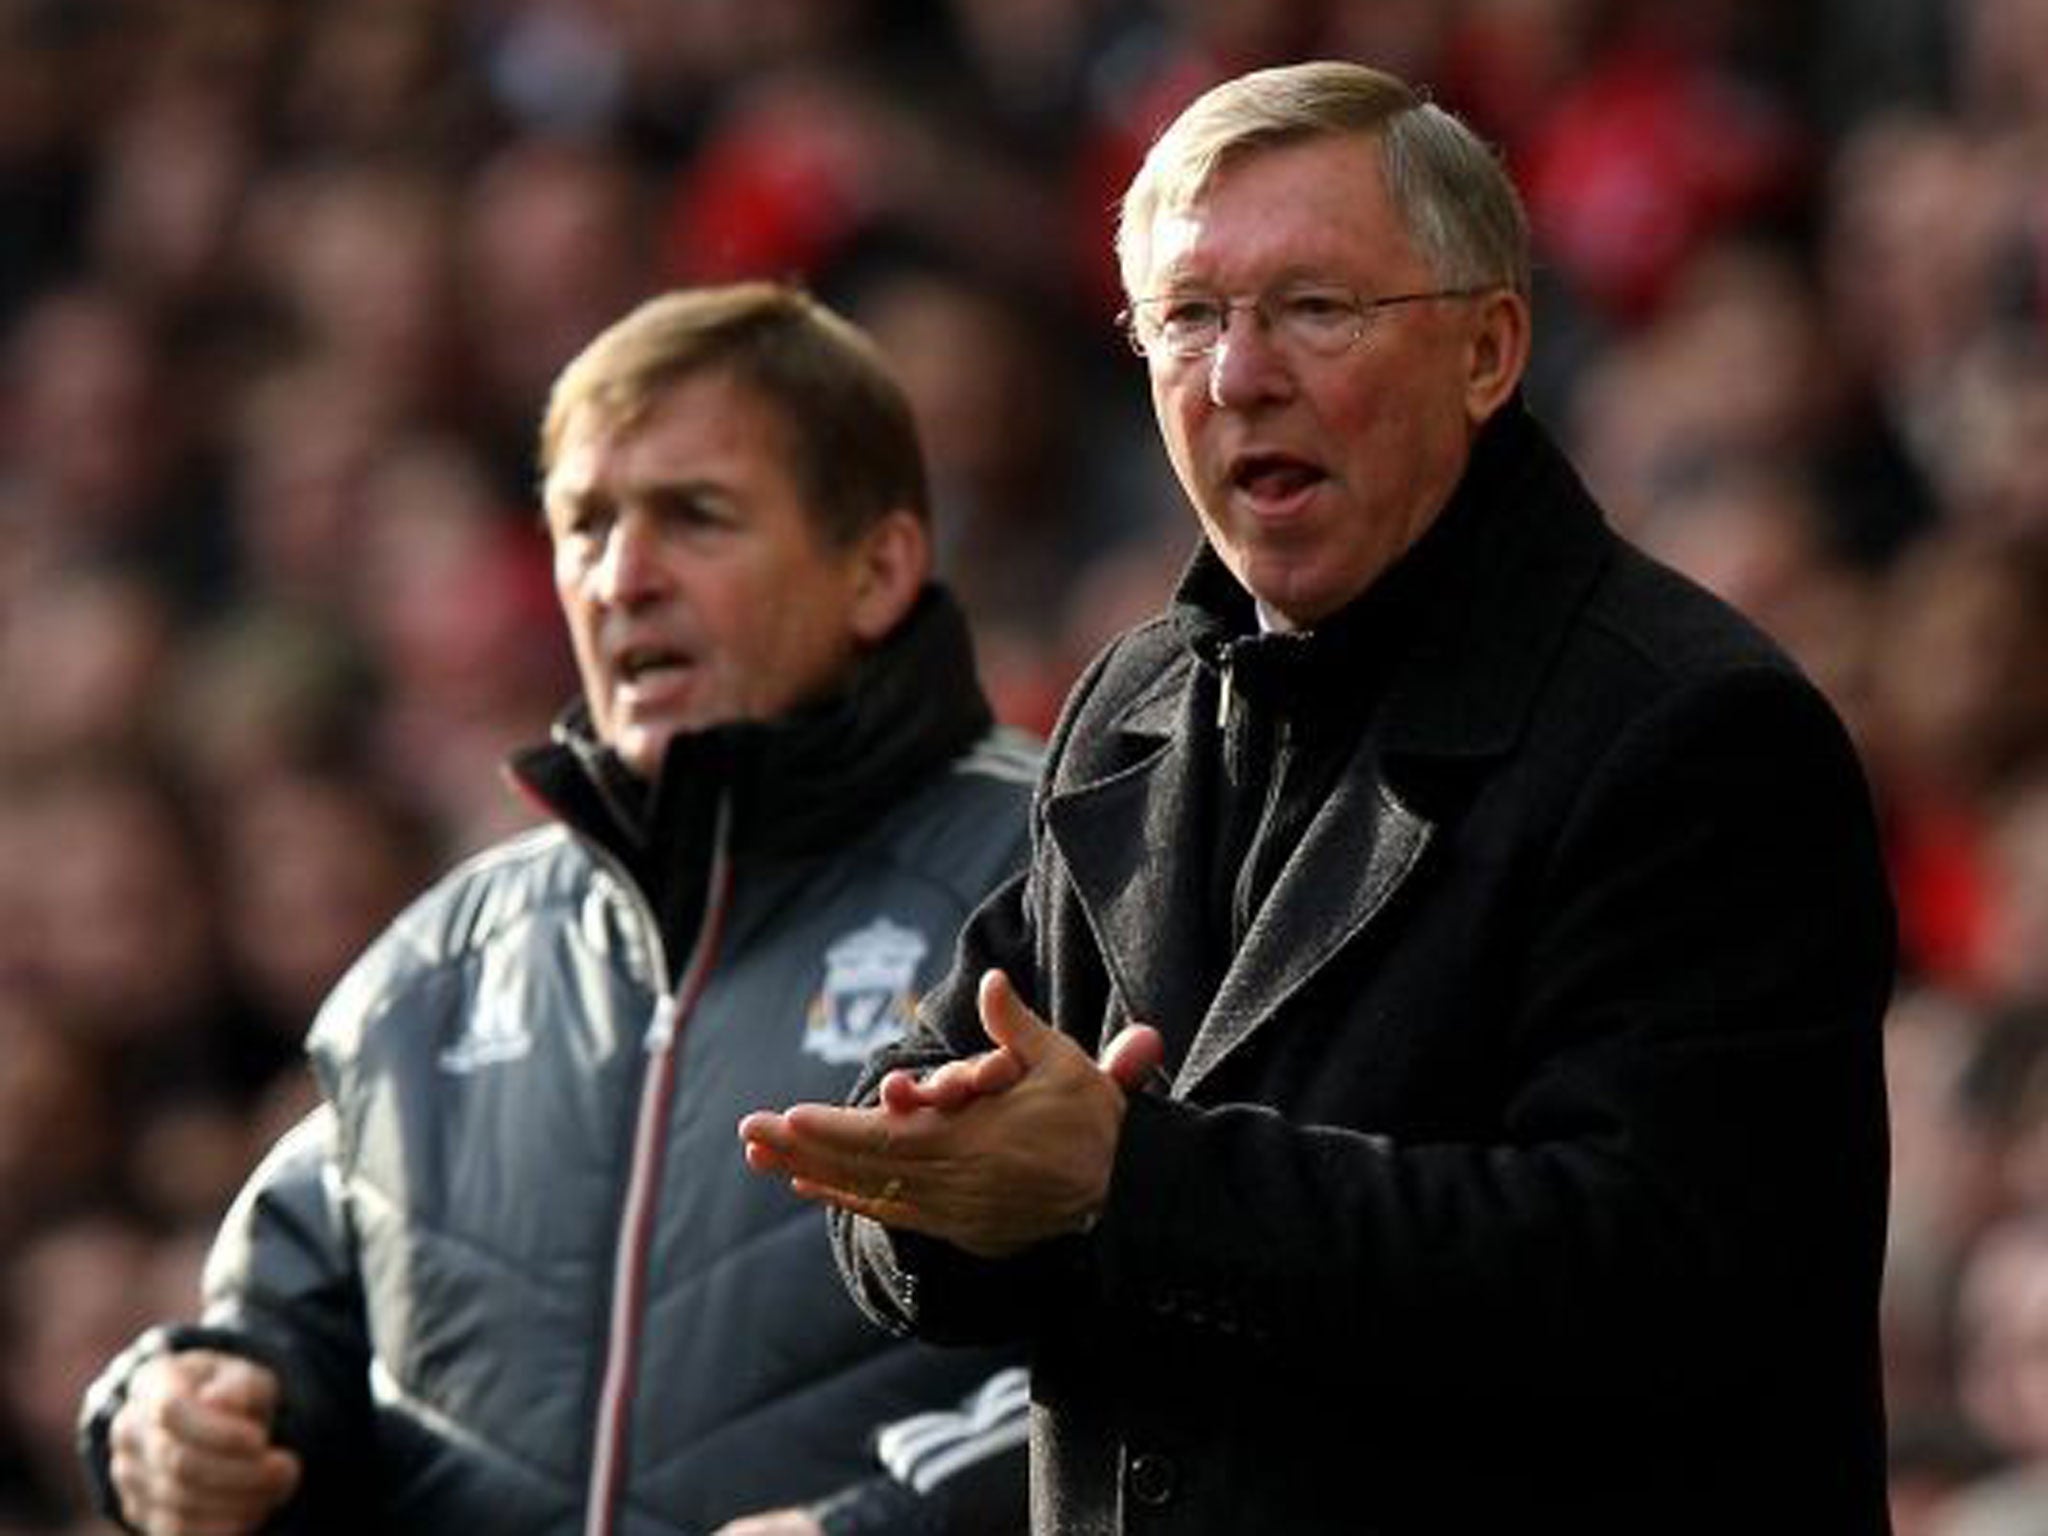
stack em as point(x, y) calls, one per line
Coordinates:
point(891, 563)
point(1497, 352)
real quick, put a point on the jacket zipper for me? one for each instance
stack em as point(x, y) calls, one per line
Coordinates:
point(672, 1011)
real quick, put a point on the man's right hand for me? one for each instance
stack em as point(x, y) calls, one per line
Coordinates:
point(191, 1453)
point(1130, 1059)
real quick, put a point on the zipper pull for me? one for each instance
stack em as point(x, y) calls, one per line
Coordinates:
point(1224, 693)
point(661, 1029)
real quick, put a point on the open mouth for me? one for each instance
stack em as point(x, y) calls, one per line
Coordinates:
point(1274, 477)
point(641, 666)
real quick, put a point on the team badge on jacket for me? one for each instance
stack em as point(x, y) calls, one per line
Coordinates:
point(868, 996)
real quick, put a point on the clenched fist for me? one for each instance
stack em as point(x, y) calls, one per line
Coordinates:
point(191, 1448)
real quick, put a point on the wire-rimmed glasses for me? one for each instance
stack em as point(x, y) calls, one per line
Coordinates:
point(1320, 319)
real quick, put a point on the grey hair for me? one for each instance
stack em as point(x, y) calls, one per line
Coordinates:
point(1447, 186)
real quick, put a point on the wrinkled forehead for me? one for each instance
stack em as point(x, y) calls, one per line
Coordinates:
point(1295, 207)
point(698, 416)
point(1177, 177)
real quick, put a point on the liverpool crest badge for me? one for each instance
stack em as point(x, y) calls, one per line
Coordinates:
point(867, 999)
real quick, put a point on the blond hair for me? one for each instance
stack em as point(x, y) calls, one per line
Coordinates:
point(853, 439)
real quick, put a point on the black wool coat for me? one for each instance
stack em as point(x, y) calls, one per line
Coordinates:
point(1524, 1161)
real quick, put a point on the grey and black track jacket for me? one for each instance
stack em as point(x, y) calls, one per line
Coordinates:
point(512, 1270)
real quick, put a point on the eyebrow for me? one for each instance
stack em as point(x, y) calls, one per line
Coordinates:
point(662, 495)
point(1294, 274)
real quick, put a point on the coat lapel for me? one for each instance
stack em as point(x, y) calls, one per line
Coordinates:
point(1122, 838)
point(1361, 846)
point(1141, 878)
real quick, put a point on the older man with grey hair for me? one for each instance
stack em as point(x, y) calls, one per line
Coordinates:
point(1429, 1077)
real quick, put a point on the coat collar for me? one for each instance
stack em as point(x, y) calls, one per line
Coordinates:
point(1474, 612)
point(1469, 624)
point(1529, 543)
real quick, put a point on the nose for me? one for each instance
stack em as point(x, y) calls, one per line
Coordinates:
point(629, 571)
point(1247, 366)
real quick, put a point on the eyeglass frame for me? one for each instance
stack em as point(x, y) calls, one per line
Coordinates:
point(1364, 309)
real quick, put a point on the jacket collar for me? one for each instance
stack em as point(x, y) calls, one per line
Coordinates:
point(801, 783)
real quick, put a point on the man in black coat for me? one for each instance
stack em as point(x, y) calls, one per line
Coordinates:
point(1429, 1076)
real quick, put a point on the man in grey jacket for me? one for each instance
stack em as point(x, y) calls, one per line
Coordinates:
point(507, 1277)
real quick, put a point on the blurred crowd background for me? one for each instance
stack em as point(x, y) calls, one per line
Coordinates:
point(282, 284)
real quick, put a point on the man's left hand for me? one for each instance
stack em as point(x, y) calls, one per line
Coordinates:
point(1012, 1150)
